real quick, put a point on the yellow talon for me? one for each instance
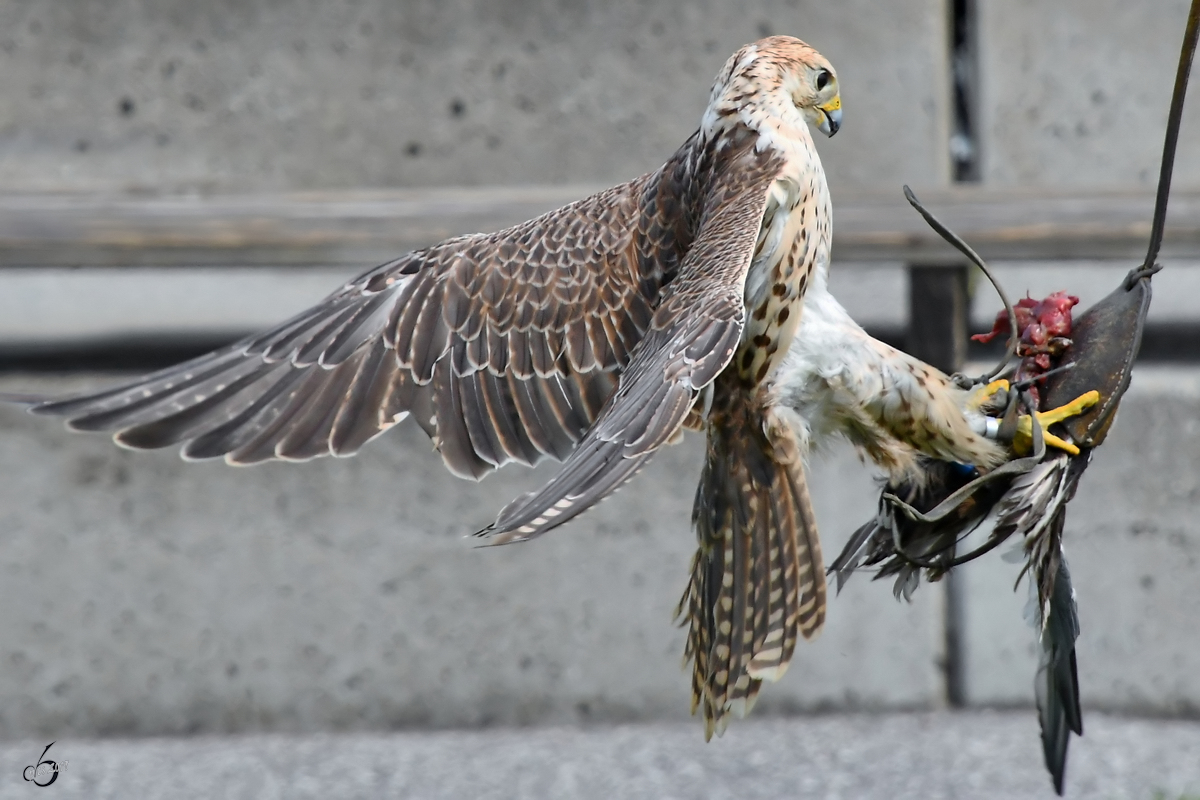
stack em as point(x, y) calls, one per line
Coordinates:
point(1023, 440)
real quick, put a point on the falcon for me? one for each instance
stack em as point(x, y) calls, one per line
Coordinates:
point(593, 334)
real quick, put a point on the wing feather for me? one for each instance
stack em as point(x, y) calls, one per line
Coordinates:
point(216, 395)
point(504, 419)
point(693, 335)
point(360, 417)
point(502, 346)
point(538, 421)
point(307, 434)
point(484, 439)
point(453, 431)
point(269, 408)
point(219, 398)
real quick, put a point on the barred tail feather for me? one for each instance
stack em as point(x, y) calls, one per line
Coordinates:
point(757, 581)
point(795, 527)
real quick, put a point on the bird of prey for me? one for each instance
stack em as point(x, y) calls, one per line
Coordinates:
point(694, 296)
point(593, 334)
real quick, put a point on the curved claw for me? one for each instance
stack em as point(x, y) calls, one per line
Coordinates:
point(1024, 436)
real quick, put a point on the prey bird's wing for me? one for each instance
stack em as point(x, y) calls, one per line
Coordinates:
point(504, 346)
point(693, 336)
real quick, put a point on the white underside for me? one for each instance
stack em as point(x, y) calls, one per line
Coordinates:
point(835, 370)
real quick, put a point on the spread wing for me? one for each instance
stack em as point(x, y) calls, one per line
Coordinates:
point(693, 336)
point(504, 346)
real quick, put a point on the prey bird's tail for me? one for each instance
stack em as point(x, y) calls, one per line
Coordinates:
point(1036, 508)
point(757, 579)
point(1056, 686)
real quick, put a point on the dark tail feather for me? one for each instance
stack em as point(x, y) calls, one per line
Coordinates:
point(854, 552)
point(1057, 683)
point(931, 540)
point(757, 580)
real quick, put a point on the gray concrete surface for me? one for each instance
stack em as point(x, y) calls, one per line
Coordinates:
point(142, 595)
point(145, 596)
point(1133, 545)
point(1075, 93)
point(173, 95)
point(976, 756)
point(51, 306)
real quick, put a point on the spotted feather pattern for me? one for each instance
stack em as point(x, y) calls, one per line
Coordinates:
point(591, 334)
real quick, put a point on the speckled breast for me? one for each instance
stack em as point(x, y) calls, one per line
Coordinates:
point(793, 234)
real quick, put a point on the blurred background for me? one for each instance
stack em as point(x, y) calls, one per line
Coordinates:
point(175, 174)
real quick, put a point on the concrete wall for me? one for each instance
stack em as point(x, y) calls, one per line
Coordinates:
point(1075, 92)
point(172, 95)
point(144, 595)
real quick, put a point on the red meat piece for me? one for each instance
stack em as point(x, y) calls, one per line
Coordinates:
point(1024, 311)
point(1038, 321)
point(1055, 313)
point(1052, 315)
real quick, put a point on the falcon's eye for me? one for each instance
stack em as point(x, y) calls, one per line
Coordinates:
point(823, 78)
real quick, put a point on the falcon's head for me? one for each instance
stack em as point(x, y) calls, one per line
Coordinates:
point(778, 77)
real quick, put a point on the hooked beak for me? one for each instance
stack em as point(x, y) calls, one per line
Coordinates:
point(831, 116)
